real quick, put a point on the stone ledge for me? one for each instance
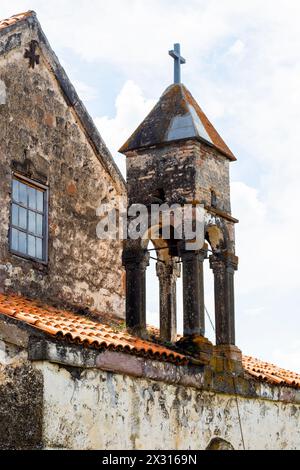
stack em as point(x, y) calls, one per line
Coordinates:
point(227, 358)
point(196, 376)
point(13, 334)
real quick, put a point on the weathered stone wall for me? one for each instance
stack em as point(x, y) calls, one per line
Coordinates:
point(187, 170)
point(91, 409)
point(21, 400)
point(184, 172)
point(42, 138)
point(170, 168)
point(212, 174)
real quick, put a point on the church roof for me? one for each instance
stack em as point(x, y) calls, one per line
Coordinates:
point(80, 329)
point(29, 18)
point(14, 19)
point(107, 333)
point(270, 373)
point(176, 116)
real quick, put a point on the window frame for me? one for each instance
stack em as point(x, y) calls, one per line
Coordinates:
point(37, 185)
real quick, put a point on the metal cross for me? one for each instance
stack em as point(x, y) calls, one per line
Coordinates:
point(178, 60)
point(31, 54)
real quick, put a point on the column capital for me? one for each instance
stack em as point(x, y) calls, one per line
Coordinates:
point(132, 259)
point(168, 270)
point(223, 260)
point(232, 261)
point(190, 254)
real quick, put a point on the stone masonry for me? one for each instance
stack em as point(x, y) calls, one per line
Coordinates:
point(177, 157)
point(43, 138)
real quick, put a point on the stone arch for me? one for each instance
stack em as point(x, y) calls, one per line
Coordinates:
point(217, 443)
point(216, 234)
point(165, 248)
point(223, 263)
point(167, 271)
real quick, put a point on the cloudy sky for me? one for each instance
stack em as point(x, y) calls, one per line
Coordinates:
point(243, 67)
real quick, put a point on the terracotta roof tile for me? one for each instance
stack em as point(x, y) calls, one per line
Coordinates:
point(14, 19)
point(71, 327)
point(270, 373)
point(82, 330)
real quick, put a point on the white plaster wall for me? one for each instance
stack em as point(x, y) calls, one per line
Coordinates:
point(102, 410)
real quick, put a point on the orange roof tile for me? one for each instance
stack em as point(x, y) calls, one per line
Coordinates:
point(270, 373)
point(14, 19)
point(80, 329)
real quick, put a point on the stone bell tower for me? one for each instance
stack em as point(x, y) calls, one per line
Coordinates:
point(177, 156)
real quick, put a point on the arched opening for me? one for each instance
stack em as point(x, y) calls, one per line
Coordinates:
point(219, 286)
point(209, 302)
point(215, 240)
point(179, 302)
point(161, 279)
point(217, 443)
point(152, 289)
point(167, 301)
point(215, 237)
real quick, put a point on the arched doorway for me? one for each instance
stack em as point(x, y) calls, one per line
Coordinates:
point(217, 443)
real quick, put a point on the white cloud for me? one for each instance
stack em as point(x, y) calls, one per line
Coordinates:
point(86, 92)
point(131, 108)
point(261, 241)
point(254, 312)
point(289, 357)
point(134, 35)
point(245, 200)
point(237, 49)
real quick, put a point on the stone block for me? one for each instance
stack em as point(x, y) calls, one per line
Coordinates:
point(198, 347)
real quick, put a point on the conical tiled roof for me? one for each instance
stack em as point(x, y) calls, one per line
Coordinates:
point(176, 116)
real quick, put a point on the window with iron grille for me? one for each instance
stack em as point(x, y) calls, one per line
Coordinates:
point(29, 219)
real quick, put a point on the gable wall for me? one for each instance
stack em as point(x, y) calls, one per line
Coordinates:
point(41, 137)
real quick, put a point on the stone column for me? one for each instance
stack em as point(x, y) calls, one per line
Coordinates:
point(135, 265)
point(167, 272)
point(223, 267)
point(193, 292)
